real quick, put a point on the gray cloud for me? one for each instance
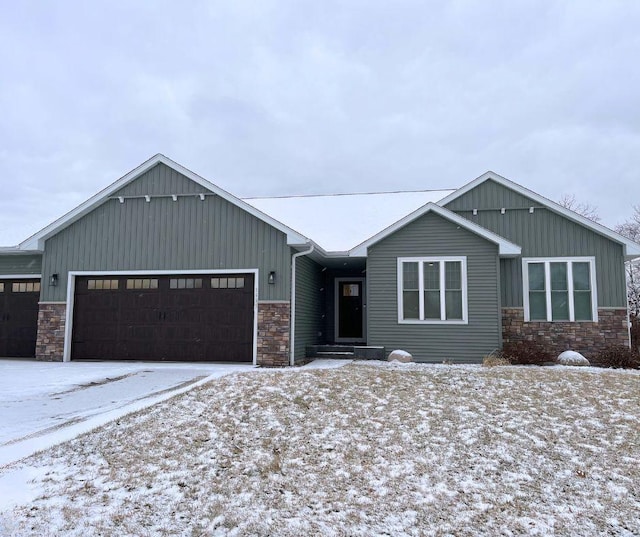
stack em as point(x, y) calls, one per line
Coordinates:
point(307, 97)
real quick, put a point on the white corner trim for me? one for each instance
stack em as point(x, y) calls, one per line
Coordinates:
point(505, 247)
point(71, 286)
point(631, 248)
point(547, 276)
point(36, 241)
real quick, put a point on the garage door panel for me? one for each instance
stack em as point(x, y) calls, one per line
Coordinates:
point(18, 317)
point(183, 317)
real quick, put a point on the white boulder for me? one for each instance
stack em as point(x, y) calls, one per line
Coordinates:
point(572, 358)
point(400, 356)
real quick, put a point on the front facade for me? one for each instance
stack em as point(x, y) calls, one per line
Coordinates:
point(163, 265)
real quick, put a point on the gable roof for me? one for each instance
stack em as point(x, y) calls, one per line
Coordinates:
point(505, 247)
point(631, 249)
point(36, 241)
point(338, 222)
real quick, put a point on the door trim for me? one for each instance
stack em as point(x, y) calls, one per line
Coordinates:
point(336, 307)
point(71, 293)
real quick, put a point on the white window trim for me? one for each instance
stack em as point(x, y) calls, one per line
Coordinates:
point(434, 259)
point(547, 276)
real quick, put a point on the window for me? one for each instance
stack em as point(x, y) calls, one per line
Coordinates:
point(106, 285)
point(25, 287)
point(1, 287)
point(561, 289)
point(227, 283)
point(142, 283)
point(432, 290)
point(185, 283)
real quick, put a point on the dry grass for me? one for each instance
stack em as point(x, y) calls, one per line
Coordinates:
point(361, 450)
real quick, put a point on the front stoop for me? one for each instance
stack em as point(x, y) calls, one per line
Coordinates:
point(353, 352)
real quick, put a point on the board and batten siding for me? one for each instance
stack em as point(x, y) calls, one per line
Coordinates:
point(20, 264)
point(542, 233)
point(433, 235)
point(183, 235)
point(309, 305)
point(160, 180)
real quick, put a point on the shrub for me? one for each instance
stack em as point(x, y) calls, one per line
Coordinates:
point(618, 356)
point(526, 353)
point(495, 358)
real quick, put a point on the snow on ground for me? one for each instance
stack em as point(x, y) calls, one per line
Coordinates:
point(42, 404)
point(366, 449)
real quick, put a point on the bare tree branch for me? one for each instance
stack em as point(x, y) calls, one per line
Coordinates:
point(584, 209)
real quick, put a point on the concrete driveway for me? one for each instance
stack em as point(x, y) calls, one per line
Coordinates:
point(42, 404)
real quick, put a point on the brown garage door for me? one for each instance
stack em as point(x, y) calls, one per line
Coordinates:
point(186, 317)
point(19, 317)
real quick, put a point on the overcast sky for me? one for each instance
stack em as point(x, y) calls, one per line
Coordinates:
point(272, 98)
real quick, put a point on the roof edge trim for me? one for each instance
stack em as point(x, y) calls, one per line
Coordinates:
point(505, 247)
point(631, 249)
point(36, 241)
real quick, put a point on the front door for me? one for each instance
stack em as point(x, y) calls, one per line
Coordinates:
point(350, 319)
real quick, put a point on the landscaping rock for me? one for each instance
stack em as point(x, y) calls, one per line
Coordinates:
point(571, 358)
point(400, 356)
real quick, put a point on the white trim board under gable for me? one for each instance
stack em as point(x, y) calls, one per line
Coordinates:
point(505, 247)
point(36, 241)
point(631, 249)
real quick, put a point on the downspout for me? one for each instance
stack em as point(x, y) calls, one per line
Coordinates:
point(292, 329)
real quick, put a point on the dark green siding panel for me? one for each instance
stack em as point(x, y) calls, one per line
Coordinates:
point(20, 264)
point(491, 195)
point(189, 234)
point(160, 180)
point(542, 233)
point(432, 235)
point(309, 298)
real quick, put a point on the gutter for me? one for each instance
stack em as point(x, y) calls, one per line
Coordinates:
point(292, 329)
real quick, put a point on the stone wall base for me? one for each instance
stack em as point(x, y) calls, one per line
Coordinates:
point(588, 338)
point(50, 339)
point(273, 334)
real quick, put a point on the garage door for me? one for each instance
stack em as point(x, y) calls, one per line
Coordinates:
point(183, 317)
point(18, 317)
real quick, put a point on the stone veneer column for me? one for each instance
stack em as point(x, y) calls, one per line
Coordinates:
point(273, 333)
point(588, 338)
point(51, 323)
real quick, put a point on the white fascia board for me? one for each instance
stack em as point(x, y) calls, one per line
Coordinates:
point(36, 241)
point(505, 247)
point(631, 249)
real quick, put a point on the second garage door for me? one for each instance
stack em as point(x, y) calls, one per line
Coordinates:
point(18, 317)
point(182, 317)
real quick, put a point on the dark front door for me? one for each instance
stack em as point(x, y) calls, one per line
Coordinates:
point(19, 317)
point(178, 317)
point(350, 310)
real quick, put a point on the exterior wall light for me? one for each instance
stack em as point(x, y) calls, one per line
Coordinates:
point(53, 281)
point(272, 277)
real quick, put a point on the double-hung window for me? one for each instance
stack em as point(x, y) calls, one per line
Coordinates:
point(432, 290)
point(559, 289)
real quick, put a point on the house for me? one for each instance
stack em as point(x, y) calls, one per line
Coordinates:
point(164, 265)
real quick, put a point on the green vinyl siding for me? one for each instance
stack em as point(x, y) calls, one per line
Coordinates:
point(20, 264)
point(188, 234)
point(160, 180)
point(432, 235)
point(543, 233)
point(309, 302)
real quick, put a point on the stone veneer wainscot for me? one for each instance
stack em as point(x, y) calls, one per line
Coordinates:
point(273, 333)
point(588, 338)
point(51, 323)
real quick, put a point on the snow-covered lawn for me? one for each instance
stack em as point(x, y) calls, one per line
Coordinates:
point(366, 449)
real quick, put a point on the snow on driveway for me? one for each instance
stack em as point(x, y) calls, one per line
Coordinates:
point(42, 404)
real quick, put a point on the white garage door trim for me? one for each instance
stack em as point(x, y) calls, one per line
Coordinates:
point(71, 293)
